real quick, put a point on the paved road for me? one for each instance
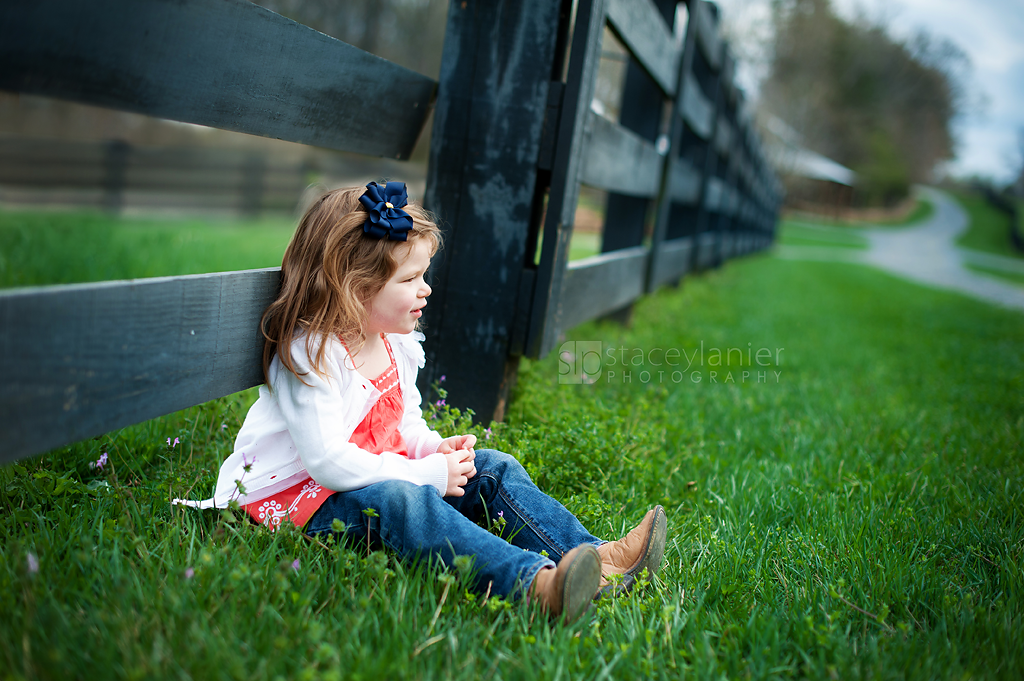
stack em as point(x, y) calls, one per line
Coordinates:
point(927, 253)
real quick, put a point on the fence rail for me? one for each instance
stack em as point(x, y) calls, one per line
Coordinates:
point(228, 64)
point(513, 141)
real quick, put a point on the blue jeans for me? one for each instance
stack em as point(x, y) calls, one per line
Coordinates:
point(415, 522)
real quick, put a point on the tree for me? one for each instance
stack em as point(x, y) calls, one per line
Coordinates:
point(878, 105)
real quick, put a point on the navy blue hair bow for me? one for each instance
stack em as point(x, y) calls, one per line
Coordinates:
point(384, 202)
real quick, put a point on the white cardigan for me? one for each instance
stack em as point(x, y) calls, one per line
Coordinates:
point(297, 431)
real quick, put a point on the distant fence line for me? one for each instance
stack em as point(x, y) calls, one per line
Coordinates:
point(113, 175)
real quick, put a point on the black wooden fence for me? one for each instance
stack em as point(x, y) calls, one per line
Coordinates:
point(113, 175)
point(514, 138)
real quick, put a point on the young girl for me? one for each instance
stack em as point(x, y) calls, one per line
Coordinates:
point(338, 434)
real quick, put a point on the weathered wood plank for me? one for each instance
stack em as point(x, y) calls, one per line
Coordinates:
point(714, 197)
point(707, 33)
point(639, 24)
point(671, 261)
point(79, 361)
point(684, 185)
point(698, 110)
point(732, 200)
point(226, 64)
point(706, 245)
point(723, 137)
point(728, 77)
point(595, 286)
point(619, 160)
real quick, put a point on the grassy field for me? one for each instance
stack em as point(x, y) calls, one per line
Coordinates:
point(62, 248)
point(794, 232)
point(847, 503)
point(990, 228)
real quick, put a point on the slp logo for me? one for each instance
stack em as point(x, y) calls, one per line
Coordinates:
point(579, 362)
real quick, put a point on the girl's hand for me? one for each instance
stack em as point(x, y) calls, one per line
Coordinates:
point(457, 442)
point(460, 470)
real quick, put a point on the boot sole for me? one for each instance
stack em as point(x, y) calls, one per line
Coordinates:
point(581, 580)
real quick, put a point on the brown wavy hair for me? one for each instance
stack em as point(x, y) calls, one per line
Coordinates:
point(330, 270)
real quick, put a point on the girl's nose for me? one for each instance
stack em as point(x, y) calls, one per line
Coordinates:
point(426, 290)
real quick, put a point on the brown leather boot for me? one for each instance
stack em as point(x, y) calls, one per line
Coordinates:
point(565, 592)
point(643, 548)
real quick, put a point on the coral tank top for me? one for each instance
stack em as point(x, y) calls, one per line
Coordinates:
point(377, 433)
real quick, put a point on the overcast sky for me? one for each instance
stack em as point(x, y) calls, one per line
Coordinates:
point(990, 32)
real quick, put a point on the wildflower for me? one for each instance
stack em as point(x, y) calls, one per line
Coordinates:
point(100, 462)
point(247, 464)
point(501, 514)
point(33, 563)
point(440, 403)
point(172, 446)
point(189, 573)
point(487, 433)
point(295, 565)
point(223, 426)
point(443, 378)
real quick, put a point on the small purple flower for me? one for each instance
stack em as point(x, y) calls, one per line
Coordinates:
point(487, 433)
point(501, 514)
point(33, 563)
point(440, 403)
point(443, 378)
point(189, 573)
point(295, 565)
point(172, 446)
point(246, 463)
point(223, 426)
point(100, 462)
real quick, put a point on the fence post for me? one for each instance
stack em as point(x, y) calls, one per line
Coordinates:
point(500, 58)
point(675, 222)
point(115, 167)
point(642, 108)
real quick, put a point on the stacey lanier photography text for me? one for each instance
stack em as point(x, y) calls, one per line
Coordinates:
point(588, 362)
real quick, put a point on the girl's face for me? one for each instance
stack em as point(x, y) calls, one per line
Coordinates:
point(398, 306)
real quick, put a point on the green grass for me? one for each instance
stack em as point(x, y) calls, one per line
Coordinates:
point(989, 229)
point(799, 233)
point(859, 514)
point(60, 248)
